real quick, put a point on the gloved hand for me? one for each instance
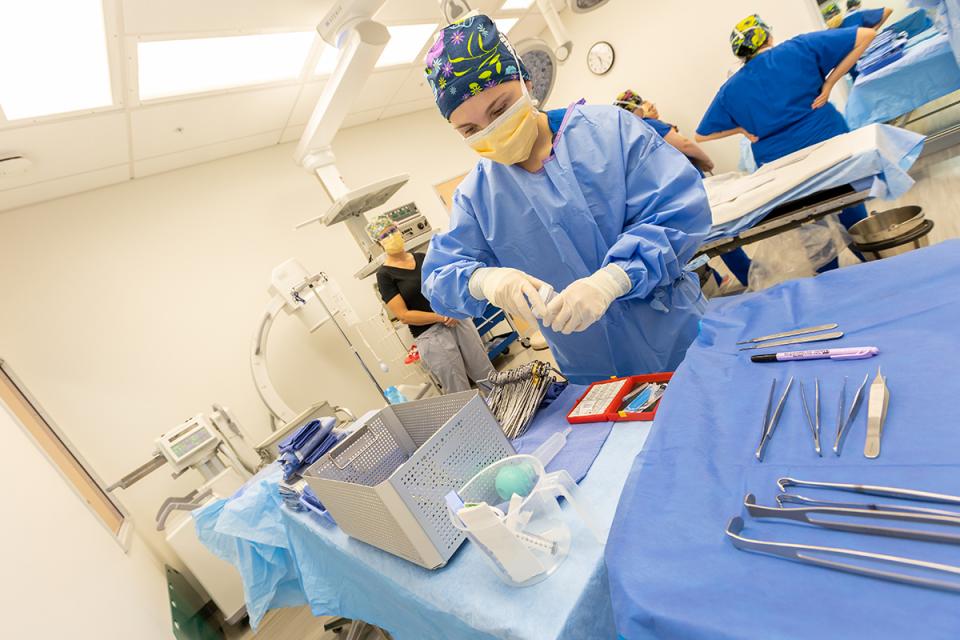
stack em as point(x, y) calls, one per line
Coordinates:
point(510, 289)
point(586, 300)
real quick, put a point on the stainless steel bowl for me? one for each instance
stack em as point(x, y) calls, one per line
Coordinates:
point(882, 226)
point(919, 243)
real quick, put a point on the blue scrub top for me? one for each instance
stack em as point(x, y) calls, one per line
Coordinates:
point(862, 18)
point(770, 96)
point(661, 127)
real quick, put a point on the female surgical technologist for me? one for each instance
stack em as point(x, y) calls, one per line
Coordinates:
point(451, 349)
point(779, 98)
point(593, 203)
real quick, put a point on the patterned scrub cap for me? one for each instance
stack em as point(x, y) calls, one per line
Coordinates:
point(380, 224)
point(628, 100)
point(469, 56)
point(853, 4)
point(748, 36)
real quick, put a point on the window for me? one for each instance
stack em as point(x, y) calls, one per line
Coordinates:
point(53, 57)
point(41, 429)
point(406, 42)
point(175, 67)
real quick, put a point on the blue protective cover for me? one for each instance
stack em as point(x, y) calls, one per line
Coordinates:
point(465, 600)
point(911, 24)
point(862, 18)
point(613, 192)
point(583, 442)
point(674, 574)
point(883, 171)
point(246, 531)
point(928, 70)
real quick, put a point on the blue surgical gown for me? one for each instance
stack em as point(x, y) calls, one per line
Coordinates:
point(612, 192)
point(862, 18)
point(770, 96)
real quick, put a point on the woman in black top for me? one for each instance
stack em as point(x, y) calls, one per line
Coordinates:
point(451, 348)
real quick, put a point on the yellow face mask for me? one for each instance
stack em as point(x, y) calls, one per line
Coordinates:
point(509, 139)
point(393, 243)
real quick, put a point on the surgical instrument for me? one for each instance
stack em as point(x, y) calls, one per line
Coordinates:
point(814, 425)
point(809, 515)
point(516, 394)
point(792, 498)
point(788, 334)
point(819, 337)
point(807, 554)
point(851, 415)
point(771, 424)
point(876, 415)
point(872, 490)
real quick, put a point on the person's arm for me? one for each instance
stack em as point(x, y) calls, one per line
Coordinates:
point(690, 149)
point(726, 134)
point(887, 11)
point(863, 40)
point(452, 258)
point(398, 307)
point(667, 211)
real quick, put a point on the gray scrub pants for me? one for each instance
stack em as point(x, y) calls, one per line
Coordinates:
point(455, 355)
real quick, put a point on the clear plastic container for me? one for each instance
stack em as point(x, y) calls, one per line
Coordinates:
point(512, 514)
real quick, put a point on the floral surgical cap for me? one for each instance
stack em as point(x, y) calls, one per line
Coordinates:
point(749, 36)
point(628, 100)
point(380, 224)
point(469, 56)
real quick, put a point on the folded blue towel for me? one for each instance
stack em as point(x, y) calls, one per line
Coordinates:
point(306, 446)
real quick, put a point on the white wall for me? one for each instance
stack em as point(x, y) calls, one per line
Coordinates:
point(676, 54)
point(128, 309)
point(64, 574)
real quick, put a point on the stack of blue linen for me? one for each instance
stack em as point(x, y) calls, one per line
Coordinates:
point(886, 48)
point(307, 445)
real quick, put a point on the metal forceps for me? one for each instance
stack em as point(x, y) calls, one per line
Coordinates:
point(814, 426)
point(770, 422)
point(843, 425)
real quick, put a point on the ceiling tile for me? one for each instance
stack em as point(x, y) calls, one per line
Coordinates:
point(177, 126)
point(171, 161)
point(408, 107)
point(65, 186)
point(410, 11)
point(361, 117)
point(66, 147)
point(380, 89)
point(306, 102)
point(292, 133)
point(414, 87)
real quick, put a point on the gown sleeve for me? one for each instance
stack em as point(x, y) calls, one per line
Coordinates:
point(451, 260)
point(829, 47)
point(667, 213)
point(717, 118)
point(871, 17)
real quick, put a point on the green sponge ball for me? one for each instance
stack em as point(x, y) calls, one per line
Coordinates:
point(515, 479)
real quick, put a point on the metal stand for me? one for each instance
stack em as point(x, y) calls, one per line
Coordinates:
point(789, 216)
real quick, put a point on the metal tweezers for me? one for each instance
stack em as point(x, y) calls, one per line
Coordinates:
point(770, 422)
point(811, 554)
point(814, 426)
point(843, 425)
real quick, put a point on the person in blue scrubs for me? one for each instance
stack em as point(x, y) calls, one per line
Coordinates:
point(645, 109)
point(869, 18)
point(593, 203)
point(736, 260)
point(779, 99)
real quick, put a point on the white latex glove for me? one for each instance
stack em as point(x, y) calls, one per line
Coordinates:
point(586, 300)
point(510, 289)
